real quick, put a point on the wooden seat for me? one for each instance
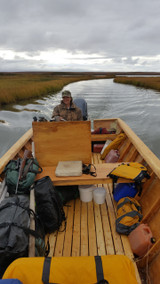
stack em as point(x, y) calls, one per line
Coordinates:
point(103, 137)
point(102, 170)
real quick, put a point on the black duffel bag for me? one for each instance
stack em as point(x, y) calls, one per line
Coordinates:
point(14, 230)
point(49, 206)
point(67, 192)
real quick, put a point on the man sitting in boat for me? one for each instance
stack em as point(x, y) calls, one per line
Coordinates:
point(67, 110)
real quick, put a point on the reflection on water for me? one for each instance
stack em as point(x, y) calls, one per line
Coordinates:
point(139, 108)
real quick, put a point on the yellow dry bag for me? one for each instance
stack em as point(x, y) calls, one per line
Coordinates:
point(113, 145)
point(129, 214)
point(131, 171)
point(115, 269)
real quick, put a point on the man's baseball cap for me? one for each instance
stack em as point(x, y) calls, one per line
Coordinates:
point(66, 93)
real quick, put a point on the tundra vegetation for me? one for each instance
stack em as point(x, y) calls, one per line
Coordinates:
point(15, 87)
point(25, 86)
point(142, 82)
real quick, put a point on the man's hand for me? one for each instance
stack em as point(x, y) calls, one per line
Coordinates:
point(61, 118)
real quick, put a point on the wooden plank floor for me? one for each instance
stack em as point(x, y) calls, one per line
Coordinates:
point(90, 230)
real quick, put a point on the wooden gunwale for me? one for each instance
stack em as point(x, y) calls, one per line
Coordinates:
point(16, 148)
point(143, 150)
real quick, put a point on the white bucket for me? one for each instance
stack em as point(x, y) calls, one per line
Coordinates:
point(86, 192)
point(99, 195)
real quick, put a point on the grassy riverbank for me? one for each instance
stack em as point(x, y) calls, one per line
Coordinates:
point(142, 82)
point(15, 87)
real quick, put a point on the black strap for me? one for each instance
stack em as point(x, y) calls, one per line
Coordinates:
point(114, 180)
point(103, 281)
point(139, 188)
point(46, 270)
point(99, 270)
point(26, 230)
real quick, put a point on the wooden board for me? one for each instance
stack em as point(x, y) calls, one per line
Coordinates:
point(62, 141)
point(102, 171)
point(106, 123)
point(103, 137)
point(16, 148)
point(144, 152)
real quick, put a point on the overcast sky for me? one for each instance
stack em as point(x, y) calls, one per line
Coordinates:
point(80, 35)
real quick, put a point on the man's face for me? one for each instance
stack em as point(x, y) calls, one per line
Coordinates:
point(66, 100)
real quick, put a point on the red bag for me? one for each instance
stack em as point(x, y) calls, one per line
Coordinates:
point(97, 148)
point(112, 156)
point(100, 130)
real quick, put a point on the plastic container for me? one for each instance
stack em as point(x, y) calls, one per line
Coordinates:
point(112, 156)
point(86, 192)
point(99, 195)
point(124, 189)
point(141, 239)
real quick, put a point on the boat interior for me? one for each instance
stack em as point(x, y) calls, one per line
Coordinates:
point(90, 228)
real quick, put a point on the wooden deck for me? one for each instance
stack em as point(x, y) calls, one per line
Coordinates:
point(90, 230)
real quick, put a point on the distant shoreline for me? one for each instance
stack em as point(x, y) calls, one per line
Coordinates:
point(56, 73)
point(24, 86)
point(141, 82)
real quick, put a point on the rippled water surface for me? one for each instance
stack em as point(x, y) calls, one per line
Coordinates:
point(139, 108)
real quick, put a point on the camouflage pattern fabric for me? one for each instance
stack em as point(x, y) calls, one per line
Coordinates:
point(71, 114)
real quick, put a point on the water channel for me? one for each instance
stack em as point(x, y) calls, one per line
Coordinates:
point(139, 108)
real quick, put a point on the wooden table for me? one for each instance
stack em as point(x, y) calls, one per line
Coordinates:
point(102, 171)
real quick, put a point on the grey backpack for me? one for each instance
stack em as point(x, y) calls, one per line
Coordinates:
point(15, 230)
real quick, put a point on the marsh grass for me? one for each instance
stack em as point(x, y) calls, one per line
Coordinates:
point(15, 87)
point(142, 82)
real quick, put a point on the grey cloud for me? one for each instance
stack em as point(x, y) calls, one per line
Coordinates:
point(112, 29)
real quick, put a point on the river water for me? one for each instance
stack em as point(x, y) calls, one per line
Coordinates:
point(139, 108)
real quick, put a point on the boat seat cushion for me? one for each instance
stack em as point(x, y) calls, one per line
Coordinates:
point(69, 168)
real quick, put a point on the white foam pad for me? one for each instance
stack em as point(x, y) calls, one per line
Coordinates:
point(68, 168)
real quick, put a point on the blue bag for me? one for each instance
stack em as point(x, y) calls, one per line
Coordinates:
point(123, 190)
point(10, 281)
